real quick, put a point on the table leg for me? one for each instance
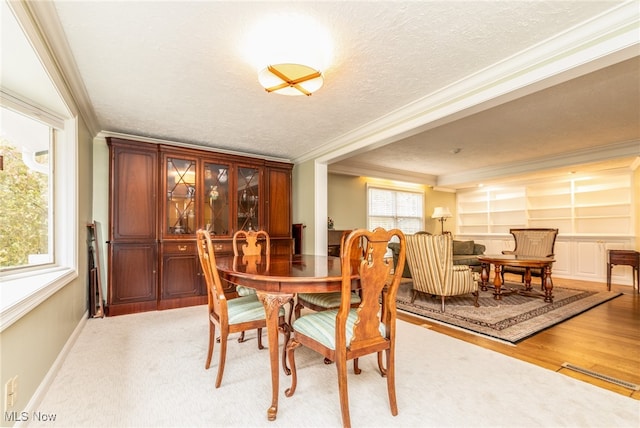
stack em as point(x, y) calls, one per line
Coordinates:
point(272, 304)
point(548, 285)
point(608, 276)
point(497, 282)
point(484, 276)
point(527, 278)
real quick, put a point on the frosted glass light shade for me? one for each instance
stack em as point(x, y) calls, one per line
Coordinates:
point(290, 52)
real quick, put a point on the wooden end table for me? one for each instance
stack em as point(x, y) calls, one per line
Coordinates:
point(527, 262)
point(624, 257)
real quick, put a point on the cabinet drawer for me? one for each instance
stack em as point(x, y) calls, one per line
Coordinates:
point(223, 247)
point(180, 247)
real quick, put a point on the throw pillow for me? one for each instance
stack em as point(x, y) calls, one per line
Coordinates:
point(463, 247)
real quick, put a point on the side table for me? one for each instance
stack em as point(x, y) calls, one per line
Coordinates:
point(624, 257)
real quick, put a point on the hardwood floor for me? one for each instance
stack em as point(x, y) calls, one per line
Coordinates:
point(605, 340)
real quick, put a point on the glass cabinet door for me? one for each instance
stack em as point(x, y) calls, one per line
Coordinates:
point(248, 192)
point(216, 198)
point(181, 190)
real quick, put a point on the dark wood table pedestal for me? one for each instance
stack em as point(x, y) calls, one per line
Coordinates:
point(521, 261)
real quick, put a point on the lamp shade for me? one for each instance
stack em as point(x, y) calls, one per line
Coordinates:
point(441, 212)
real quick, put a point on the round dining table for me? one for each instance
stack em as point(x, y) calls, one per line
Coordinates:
point(277, 279)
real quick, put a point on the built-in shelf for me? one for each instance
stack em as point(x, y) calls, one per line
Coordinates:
point(599, 204)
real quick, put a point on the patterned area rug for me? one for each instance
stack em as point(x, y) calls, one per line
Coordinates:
point(513, 319)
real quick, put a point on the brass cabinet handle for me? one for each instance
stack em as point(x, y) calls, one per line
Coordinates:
point(182, 248)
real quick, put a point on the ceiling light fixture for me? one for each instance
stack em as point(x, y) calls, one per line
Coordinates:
point(291, 53)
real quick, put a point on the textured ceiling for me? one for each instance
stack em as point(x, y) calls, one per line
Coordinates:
point(175, 70)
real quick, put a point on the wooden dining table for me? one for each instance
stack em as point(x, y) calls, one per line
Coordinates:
point(277, 279)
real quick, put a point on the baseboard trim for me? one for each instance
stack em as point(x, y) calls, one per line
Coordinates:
point(42, 389)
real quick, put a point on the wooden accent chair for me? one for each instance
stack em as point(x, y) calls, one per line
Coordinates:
point(348, 333)
point(536, 242)
point(430, 258)
point(232, 315)
point(324, 301)
point(250, 248)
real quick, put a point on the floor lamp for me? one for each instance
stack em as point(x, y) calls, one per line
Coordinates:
point(442, 214)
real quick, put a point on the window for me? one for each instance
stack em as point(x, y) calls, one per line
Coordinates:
point(31, 94)
point(390, 208)
point(25, 189)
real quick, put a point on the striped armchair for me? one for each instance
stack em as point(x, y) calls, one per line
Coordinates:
point(531, 242)
point(430, 258)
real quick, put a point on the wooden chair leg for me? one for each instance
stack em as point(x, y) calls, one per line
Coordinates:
point(413, 296)
point(286, 330)
point(297, 310)
point(223, 356)
point(475, 301)
point(241, 338)
point(212, 341)
point(383, 370)
point(260, 339)
point(290, 347)
point(391, 383)
point(291, 310)
point(344, 392)
point(356, 369)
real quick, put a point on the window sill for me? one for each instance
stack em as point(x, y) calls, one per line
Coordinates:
point(20, 294)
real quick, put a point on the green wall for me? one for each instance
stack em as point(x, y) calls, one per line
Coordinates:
point(31, 345)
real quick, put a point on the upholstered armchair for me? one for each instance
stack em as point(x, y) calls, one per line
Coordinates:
point(531, 242)
point(464, 253)
point(430, 258)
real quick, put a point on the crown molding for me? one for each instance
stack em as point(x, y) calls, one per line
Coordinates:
point(606, 39)
point(102, 135)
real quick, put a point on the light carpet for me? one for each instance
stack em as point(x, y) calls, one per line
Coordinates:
point(512, 319)
point(147, 370)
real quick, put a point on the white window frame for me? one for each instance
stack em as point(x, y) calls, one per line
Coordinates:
point(23, 289)
point(398, 189)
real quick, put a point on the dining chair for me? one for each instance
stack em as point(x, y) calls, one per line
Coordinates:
point(430, 258)
point(323, 301)
point(229, 315)
point(349, 333)
point(252, 247)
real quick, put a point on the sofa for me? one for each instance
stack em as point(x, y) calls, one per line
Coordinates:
point(464, 253)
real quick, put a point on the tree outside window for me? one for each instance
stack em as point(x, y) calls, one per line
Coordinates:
point(25, 211)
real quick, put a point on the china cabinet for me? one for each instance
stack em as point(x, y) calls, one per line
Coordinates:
point(160, 195)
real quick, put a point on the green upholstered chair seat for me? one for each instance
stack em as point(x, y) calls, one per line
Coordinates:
point(466, 260)
point(245, 291)
point(327, 300)
point(321, 326)
point(247, 308)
